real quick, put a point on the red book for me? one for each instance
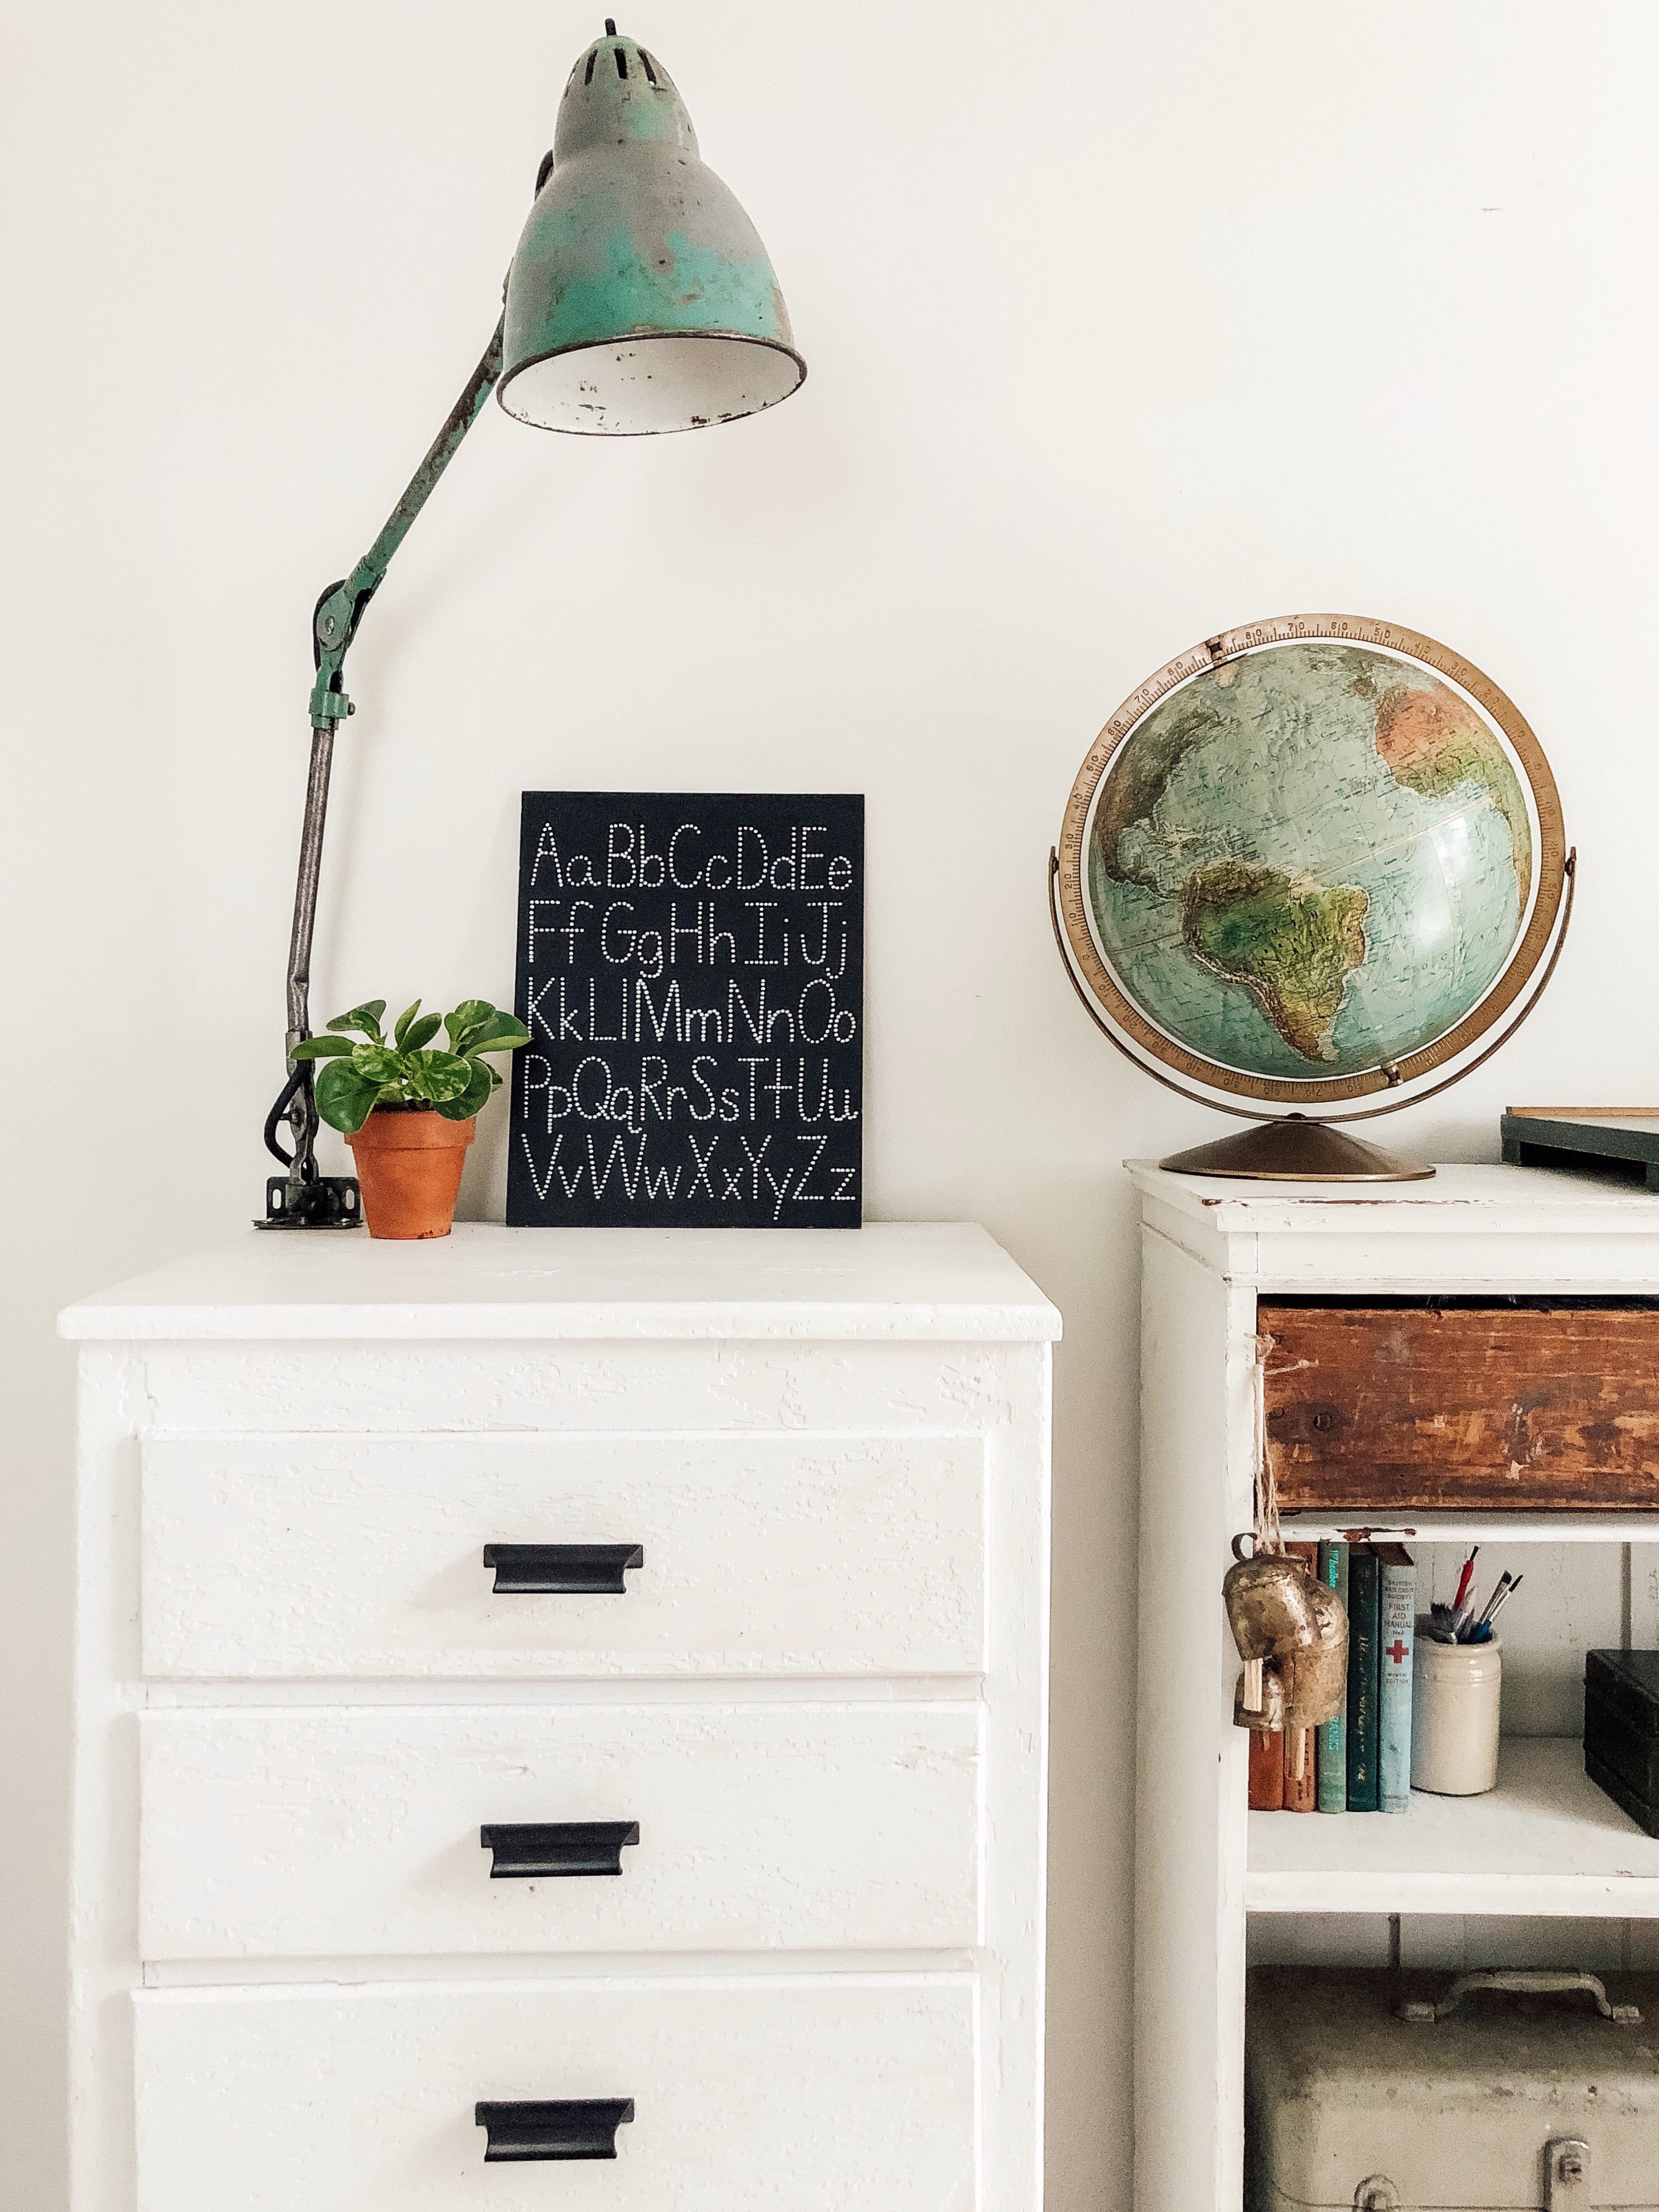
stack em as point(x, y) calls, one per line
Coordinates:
point(1267, 1769)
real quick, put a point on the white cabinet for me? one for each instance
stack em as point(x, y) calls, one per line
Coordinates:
point(763, 1625)
point(1545, 1847)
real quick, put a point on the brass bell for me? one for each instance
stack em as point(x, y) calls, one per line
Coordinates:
point(1318, 1687)
point(1268, 1711)
point(1271, 1606)
point(1271, 1602)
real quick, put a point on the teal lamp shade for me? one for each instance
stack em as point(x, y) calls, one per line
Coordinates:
point(640, 297)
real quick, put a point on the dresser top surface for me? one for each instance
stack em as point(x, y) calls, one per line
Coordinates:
point(894, 1280)
point(1456, 1197)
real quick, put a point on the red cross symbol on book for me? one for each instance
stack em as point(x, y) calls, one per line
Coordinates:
point(1397, 1651)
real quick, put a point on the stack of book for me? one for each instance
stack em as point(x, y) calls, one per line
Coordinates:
point(1360, 1762)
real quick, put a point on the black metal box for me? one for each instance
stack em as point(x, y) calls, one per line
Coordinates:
point(1621, 1730)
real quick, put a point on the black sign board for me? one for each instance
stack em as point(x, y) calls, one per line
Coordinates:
point(691, 973)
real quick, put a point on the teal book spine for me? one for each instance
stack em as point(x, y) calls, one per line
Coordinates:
point(1364, 1577)
point(1331, 1753)
point(1397, 1619)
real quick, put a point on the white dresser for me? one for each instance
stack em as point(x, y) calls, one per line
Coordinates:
point(552, 1691)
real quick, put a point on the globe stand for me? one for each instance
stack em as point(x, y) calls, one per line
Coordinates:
point(1295, 1150)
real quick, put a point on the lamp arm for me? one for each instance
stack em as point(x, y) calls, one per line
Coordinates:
point(340, 609)
point(333, 626)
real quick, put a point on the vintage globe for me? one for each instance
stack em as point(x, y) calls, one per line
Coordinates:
point(1310, 860)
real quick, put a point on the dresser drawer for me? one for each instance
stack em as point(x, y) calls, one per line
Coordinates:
point(796, 2096)
point(356, 1834)
point(362, 1556)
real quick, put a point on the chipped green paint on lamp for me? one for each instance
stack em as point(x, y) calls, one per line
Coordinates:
point(640, 297)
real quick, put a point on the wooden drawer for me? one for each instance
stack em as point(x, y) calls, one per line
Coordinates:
point(789, 2096)
point(1519, 1405)
point(355, 1833)
point(362, 1556)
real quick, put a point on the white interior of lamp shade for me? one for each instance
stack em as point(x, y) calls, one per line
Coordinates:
point(629, 388)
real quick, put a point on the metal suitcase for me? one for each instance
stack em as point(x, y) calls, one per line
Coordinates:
point(1380, 2092)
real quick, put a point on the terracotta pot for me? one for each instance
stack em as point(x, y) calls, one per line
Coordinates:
point(408, 1162)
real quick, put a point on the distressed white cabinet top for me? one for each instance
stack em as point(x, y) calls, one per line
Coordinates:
point(1510, 1229)
point(922, 1281)
point(1463, 1197)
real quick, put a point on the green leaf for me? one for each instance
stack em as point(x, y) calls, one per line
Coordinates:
point(463, 1108)
point(441, 1076)
point(322, 1048)
point(400, 1034)
point(467, 1016)
point(379, 1064)
point(421, 1032)
point(500, 1033)
point(344, 1099)
point(366, 1018)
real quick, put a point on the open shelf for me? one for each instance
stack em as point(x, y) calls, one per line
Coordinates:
point(1480, 1528)
point(1544, 1841)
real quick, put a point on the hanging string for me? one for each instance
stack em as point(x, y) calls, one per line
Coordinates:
point(1268, 1536)
point(1269, 1539)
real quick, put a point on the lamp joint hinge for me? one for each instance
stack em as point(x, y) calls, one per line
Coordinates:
point(328, 708)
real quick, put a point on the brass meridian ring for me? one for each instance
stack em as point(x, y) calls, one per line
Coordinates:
point(1162, 1051)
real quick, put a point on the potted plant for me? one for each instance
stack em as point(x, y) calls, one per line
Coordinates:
point(408, 1112)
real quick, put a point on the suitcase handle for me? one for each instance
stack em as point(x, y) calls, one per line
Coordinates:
point(1539, 1985)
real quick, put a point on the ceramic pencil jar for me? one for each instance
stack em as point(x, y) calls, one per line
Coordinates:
point(1456, 1692)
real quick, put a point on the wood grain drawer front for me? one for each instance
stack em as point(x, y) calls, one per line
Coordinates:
point(798, 2096)
point(308, 1834)
point(362, 1556)
point(1378, 1407)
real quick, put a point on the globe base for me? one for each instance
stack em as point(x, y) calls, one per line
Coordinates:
point(1295, 1150)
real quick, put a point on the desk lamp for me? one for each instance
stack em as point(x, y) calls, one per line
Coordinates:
point(640, 298)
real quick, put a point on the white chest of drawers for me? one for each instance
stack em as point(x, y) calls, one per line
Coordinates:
point(764, 1625)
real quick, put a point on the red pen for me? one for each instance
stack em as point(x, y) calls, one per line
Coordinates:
point(1463, 1582)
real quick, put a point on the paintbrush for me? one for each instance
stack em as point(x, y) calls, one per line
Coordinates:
point(1466, 1629)
point(1500, 1597)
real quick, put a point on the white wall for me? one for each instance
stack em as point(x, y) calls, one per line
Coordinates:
point(1125, 322)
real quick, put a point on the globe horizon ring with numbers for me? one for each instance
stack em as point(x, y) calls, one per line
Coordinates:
point(1313, 859)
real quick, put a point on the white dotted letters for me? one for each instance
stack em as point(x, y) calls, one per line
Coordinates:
point(691, 973)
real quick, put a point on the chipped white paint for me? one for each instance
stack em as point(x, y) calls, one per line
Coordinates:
point(823, 1697)
point(1546, 1844)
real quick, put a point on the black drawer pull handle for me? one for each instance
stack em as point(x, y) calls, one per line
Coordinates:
point(525, 1851)
point(569, 1569)
point(583, 2127)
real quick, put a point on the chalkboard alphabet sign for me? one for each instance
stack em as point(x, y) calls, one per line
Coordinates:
point(691, 972)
